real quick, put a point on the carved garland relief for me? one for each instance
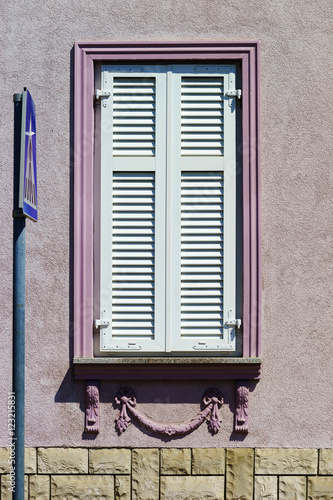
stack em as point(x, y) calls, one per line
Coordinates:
point(212, 401)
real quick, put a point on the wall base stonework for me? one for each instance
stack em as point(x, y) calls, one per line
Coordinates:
point(173, 474)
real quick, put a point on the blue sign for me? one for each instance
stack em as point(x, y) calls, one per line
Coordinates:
point(28, 163)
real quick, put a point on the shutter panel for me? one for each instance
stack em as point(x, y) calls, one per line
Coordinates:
point(133, 116)
point(133, 211)
point(133, 256)
point(202, 255)
point(203, 263)
point(201, 116)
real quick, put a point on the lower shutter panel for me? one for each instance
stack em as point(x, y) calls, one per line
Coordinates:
point(133, 256)
point(202, 255)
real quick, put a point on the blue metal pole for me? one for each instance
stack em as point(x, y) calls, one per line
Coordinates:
point(18, 311)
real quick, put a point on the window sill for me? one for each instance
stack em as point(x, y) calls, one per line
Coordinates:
point(167, 368)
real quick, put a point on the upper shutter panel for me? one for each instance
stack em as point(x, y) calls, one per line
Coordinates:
point(133, 116)
point(201, 116)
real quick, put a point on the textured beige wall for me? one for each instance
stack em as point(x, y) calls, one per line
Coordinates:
point(292, 403)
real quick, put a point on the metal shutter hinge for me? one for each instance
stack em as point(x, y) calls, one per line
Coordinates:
point(234, 322)
point(234, 93)
point(102, 95)
point(101, 323)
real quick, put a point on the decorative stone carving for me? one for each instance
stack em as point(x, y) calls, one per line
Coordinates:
point(92, 407)
point(242, 406)
point(212, 400)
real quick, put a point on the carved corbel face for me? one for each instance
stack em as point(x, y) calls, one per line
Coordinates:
point(92, 408)
point(242, 405)
point(242, 408)
point(92, 401)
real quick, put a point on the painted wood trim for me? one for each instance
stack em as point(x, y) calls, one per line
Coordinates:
point(86, 54)
point(83, 203)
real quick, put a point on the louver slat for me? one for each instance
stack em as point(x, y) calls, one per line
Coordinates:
point(202, 116)
point(133, 116)
point(201, 255)
point(133, 255)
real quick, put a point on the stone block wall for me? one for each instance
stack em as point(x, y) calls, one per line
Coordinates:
point(173, 474)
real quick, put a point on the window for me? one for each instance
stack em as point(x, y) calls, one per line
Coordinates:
point(167, 166)
point(167, 224)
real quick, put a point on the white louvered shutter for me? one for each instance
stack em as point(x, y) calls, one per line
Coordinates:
point(167, 210)
point(203, 294)
point(133, 210)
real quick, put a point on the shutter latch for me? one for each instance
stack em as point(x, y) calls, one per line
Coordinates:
point(233, 322)
point(234, 93)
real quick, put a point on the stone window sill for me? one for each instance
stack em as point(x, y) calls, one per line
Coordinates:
point(166, 368)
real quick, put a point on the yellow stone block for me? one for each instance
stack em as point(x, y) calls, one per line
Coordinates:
point(286, 461)
point(175, 461)
point(110, 461)
point(292, 488)
point(6, 493)
point(145, 474)
point(320, 488)
point(62, 461)
point(239, 474)
point(326, 461)
point(82, 487)
point(39, 487)
point(192, 487)
point(122, 488)
point(29, 460)
point(4, 457)
point(208, 461)
point(266, 487)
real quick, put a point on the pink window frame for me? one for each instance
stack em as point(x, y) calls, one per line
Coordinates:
point(85, 56)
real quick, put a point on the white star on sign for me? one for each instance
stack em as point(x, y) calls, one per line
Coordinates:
point(30, 133)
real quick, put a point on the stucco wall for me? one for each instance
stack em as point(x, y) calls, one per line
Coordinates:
point(292, 404)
